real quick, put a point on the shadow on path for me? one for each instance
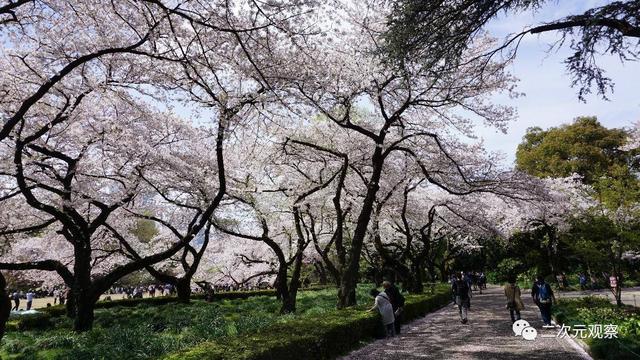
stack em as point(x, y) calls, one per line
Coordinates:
point(488, 335)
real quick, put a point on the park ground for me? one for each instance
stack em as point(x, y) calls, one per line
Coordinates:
point(39, 303)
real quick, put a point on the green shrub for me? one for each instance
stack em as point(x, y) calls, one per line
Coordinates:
point(37, 321)
point(55, 311)
point(597, 310)
point(15, 345)
point(313, 336)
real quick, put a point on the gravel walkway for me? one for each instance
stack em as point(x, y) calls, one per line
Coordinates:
point(488, 335)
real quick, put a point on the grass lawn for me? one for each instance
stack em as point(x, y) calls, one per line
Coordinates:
point(145, 331)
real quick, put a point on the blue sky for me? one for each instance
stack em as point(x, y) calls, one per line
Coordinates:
point(549, 99)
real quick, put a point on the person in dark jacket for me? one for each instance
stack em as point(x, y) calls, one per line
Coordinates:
point(460, 290)
point(543, 297)
point(16, 300)
point(397, 302)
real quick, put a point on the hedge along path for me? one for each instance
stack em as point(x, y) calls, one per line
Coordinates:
point(488, 335)
point(321, 336)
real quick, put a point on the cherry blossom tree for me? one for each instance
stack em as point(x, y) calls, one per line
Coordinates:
point(391, 113)
point(121, 56)
point(81, 187)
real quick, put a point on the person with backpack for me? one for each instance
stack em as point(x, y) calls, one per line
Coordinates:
point(460, 290)
point(543, 297)
point(383, 305)
point(583, 281)
point(514, 301)
point(397, 302)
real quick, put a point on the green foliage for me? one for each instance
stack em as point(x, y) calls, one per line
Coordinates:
point(323, 336)
point(584, 147)
point(54, 311)
point(596, 310)
point(597, 239)
point(145, 230)
point(37, 321)
point(252, 325)
point(600, 242)
point(508, 267)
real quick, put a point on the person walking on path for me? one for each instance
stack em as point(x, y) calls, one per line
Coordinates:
point(514, 301)
point(543, 297)
point(29, 296)
point(583, 281)
point(397, 303)
point(16, 300)
point(482, 282)
point(383, 305)
point(460, 290)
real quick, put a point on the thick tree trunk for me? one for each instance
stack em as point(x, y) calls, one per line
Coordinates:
point(550, 250)
point(431, 271)
point(82, 296)
point(414, 283)
point(5, 305)
point(347, 290)
point(288, 303)
point(282, 290)
point(276, 285)
point(443, 272)
point(70, 305)
point(349, 276)
point(322, 273)
point(183, 288)
point(85, 305)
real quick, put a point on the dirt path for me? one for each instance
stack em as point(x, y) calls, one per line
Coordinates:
point(488, 335)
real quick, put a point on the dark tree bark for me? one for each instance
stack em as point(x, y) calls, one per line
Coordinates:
point(349, 278)
point(322, 273)
point(183, 288)
point(5, 305)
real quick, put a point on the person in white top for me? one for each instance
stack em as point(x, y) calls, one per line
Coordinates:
point(30, 296)
point(383, 305)
point(56, 296)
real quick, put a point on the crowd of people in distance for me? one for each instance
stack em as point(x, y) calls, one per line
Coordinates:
point(138, 292)
point(153, 290)
point(60, 294)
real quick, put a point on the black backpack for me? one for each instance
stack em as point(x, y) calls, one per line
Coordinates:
point(461, 289)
